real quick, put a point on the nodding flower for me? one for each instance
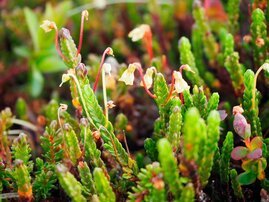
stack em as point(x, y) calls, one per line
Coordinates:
point(128, 77)
point(180, 83)
point(148, 77)
point(48, 26)
point(143, 32)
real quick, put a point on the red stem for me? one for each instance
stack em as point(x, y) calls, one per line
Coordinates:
point(143, 81)
point(148, 43)
point(57, 44)
point(100, 68)
point(171, 88)
point(81, 34)
point(181, 68)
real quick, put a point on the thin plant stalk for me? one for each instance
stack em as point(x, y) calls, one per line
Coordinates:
point(24, 123)
point(104, 93)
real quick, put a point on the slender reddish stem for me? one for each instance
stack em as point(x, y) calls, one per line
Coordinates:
point(100, 68)
point(181, 69)
point(171, 88)
point(148, 43)
point(57, 44)
point(143, 81)
point(81, 34)
point(181, 98)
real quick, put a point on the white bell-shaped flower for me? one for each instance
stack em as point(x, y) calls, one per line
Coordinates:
point(107, 68)
point(47, 25)
point(128, 75)
point(139, 32)
point(180, 83)
point(148, 77)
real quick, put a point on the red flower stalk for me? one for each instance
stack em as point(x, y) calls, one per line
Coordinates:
point(140, 70)
point(57, 44)
point(108, 51)
point(84, 15)
point(182, 67)
point(148, 43)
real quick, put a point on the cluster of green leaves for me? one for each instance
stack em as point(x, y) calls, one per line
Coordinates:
point(89, 162)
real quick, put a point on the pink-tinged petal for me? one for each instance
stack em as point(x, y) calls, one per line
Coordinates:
point(239, 153)
point(257, 153)
point(222, 114)
point(256, 142)
point(240, 124)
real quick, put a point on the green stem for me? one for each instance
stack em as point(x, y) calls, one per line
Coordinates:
point(254, 86)
point(104, 93)
point(24, 123)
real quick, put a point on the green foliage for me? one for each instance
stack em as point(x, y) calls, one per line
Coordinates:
point(95, 111)
point(258, 30)
point(232, 63)
point(251, 112)
point(23, 180)
point(21, 108)
point(235, 185)
point(169, 165)
point(151, 149)
point(211, 145)
point(51, 143)
point(154, 191)
point(186, 57)
point(68, 182)
point(209, 42)
point(199, 100)
point(5, 124)
point(121, 123)
point(187, 194)
point(45, 180)
point(92, 154)
point(69, 49)
point(226, 150)
point(197, 45)
point(42, 57)
point(233, 15)
point(212, 104)
point(71, 142)
point(174, 128)
point(194, 130)
point(86, 179)
point(161, 91)
point(103, 188)
point(253, 163)
point(21, 149)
